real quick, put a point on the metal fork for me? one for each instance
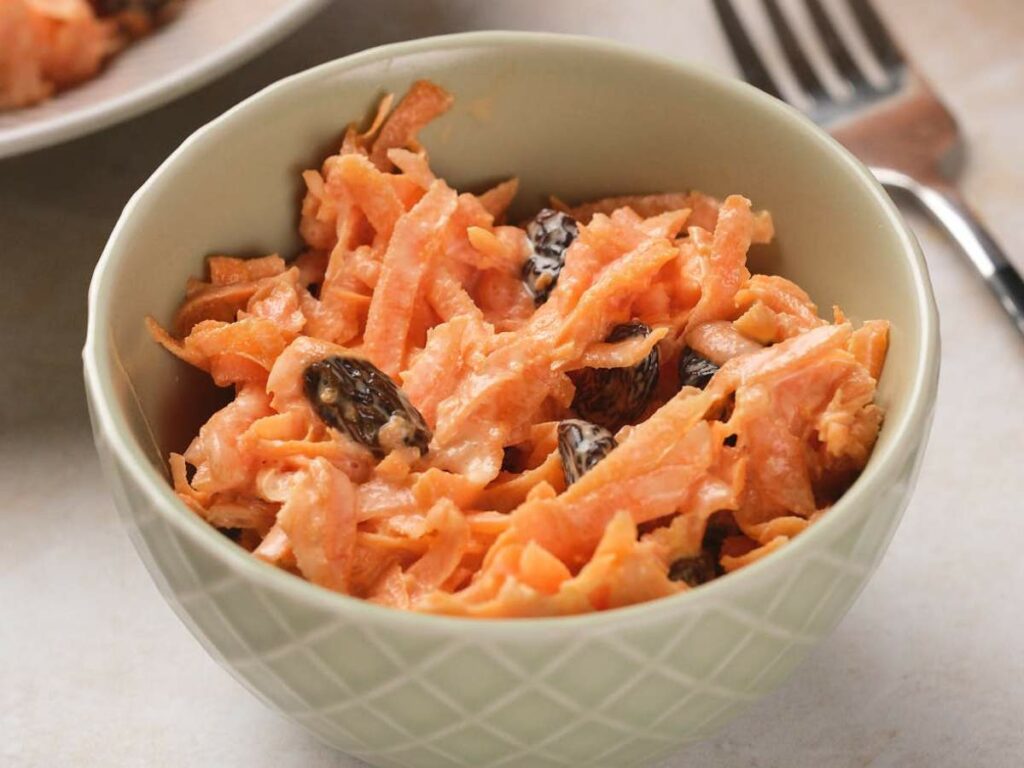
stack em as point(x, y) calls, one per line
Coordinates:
point(901, 129)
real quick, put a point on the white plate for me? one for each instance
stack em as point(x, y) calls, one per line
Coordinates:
point(207, 38)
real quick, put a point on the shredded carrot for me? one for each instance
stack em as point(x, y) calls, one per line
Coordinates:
point(498, 198)
point(405, 262)
point(226, 270)
point(460, 501)
point(424, 102)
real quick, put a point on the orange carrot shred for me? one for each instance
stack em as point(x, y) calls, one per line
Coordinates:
point(424, 102)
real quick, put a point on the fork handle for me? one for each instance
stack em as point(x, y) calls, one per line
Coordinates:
point(948, 207)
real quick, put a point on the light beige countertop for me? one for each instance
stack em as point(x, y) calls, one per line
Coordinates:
point(926, 670)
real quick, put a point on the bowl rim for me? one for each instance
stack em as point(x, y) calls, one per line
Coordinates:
point(111, 427)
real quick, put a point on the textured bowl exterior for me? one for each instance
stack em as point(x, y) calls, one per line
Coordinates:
point(615, 693)
point(615, 689)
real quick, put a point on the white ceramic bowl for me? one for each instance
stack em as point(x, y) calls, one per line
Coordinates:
point(206, 39)
point(573, 117)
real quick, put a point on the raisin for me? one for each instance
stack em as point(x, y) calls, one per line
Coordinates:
point(648, 526)
point(513, 460)
point(628, 331)
point(551, 233)
point(694, 570)
point(720, 526)
point(581, 445)
point(357, 398)
point(694, 370)
point(612, 397)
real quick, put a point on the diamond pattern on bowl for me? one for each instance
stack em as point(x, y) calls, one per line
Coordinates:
point(305, 627)
point(169, 560)
point(475, 745)
point(209, 573)
point(590, 676)
point(370, 728)
point(532, 658)
point(586, 742)
point(614, 697)
point(237, 601)
point(779, 669)
point(529, 716)
point(360, 664)
point(690, 712)
point(414, 754)
point(645, 699)
point(207, 614)
point(533, 759)
point(306, 678)
point(416, 707)
point(638, 751)
point(477, 674)
point(750, 660)
point(701, 651)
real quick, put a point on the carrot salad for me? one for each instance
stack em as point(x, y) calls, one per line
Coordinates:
point(440, 411)
point(50, 45)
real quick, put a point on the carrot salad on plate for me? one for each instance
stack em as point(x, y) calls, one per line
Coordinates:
point(50, 45)
point(437, 410)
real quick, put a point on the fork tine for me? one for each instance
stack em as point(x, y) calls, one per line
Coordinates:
point(836, 48)
point(754, 70)
point(794, 53)
point(885, 50)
